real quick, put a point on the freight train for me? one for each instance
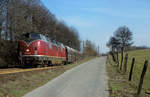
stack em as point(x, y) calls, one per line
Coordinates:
point(37, 49)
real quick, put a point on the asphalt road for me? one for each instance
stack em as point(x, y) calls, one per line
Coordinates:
point(86, 80)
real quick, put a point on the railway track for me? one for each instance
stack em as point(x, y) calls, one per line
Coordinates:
point(19, 70)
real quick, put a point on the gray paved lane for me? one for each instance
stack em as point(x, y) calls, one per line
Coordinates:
point(86, 80)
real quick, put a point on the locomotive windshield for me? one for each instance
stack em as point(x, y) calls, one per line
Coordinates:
point(28, 37)
point(34, 36)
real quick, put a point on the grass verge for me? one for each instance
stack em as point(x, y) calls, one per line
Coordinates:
point(16, 85)
point(118, 82)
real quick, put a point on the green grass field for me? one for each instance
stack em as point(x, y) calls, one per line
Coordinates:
point(125, 86)
point(140, 57)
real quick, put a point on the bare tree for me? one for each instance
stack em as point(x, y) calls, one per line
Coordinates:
point(89, 49)
point(124, 36)
point(67, 35)
point(114, 44)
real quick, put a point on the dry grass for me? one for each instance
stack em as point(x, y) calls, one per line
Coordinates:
point(16, 85)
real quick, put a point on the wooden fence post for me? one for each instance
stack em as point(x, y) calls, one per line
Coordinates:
point(122, 54)
point(125, 63)
point(117, 59)
point(142, 78)
point(131, 70)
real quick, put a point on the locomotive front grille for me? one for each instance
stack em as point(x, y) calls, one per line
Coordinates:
point(30, 58)
point(35, 57)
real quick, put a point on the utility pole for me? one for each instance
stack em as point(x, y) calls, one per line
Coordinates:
point(83, 49)
point(98, 49)
point(83, 44)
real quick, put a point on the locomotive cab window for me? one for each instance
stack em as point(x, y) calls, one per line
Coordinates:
point(28, 37)
point(49, 42)
point(34, 36)
point(43, 37)
point(61, 47)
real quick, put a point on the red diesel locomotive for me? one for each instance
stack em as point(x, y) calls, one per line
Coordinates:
point(38, 49)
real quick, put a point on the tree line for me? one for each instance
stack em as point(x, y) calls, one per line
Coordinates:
point(21, 16)
point(90, 49)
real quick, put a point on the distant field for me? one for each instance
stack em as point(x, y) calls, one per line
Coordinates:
point(140, 57)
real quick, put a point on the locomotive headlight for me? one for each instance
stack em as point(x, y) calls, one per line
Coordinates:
point(38, 43)
point(27, 50)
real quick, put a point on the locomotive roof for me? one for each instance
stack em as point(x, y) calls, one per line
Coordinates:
point(58, 44)
point(71, 49)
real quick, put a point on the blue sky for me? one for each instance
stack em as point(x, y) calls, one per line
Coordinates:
point(96, 20)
